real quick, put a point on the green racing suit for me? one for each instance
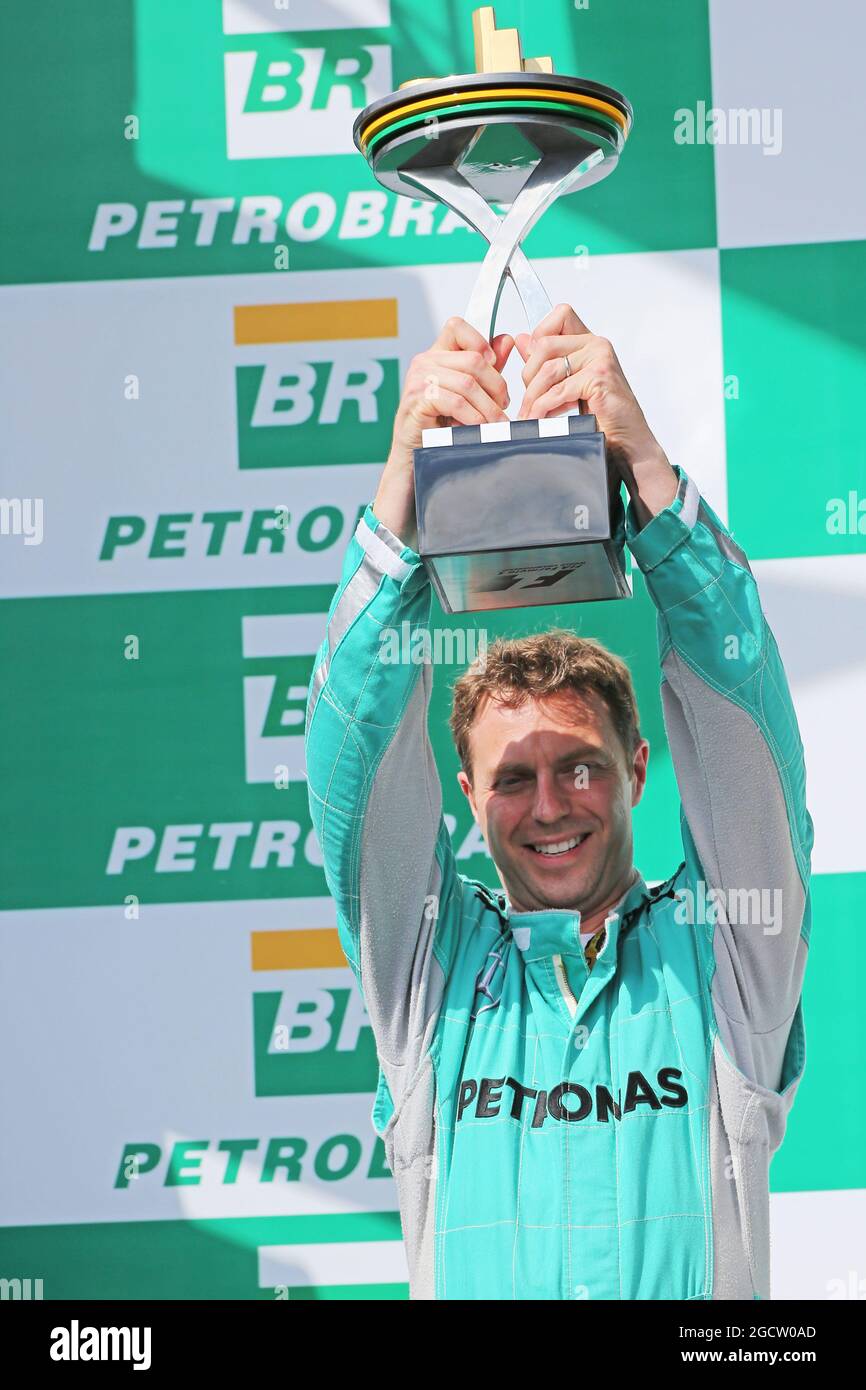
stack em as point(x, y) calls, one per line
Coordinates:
point(556, 1131)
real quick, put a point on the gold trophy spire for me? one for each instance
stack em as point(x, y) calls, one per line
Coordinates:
point(496, 50)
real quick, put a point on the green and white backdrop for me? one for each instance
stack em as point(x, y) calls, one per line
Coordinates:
point(187, 1069)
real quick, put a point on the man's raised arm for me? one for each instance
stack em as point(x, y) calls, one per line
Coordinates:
point(728, 712)
point(374, 791)
point(740, 769)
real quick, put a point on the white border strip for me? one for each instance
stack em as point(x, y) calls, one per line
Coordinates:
point(333, 1263)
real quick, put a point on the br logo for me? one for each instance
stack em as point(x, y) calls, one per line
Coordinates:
point(312, 1033)
point(311, 1038)
point(279, 650)
point(285, 96)
point(315, 382)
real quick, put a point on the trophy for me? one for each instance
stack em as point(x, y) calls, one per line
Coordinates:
point(521, 512)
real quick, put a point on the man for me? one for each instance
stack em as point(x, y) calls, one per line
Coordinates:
point(582, 1080)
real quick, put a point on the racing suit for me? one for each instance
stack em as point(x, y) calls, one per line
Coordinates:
point(555, 1130)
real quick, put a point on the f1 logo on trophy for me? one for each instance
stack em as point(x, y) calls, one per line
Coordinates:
point(523, 512)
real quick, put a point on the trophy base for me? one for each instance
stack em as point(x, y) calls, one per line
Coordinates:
point(578, 573)
point(518, 514)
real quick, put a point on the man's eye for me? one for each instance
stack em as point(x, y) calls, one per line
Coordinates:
point(512, 780)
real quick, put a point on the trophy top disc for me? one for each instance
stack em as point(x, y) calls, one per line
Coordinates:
point(471, 88)
point(509, 99)
point(495, 152)
point(496, 125)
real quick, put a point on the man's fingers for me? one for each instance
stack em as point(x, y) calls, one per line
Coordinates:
point(524, 344)
point(562, 396)
point(457, 334)
point(547, 356)
point(547, 373)
point(457, 384)
point(502, 345)
point(487, 375)
point(562, 319)
point(456, 407)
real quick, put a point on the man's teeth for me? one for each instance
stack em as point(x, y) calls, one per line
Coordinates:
point(561, 847)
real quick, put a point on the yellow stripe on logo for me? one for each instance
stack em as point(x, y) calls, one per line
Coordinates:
point(315, 949)
point(310, 323)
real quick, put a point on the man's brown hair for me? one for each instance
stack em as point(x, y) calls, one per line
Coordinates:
point(548, 664)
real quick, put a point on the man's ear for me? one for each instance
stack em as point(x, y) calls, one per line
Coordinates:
point(639, 770)
point(466, 788)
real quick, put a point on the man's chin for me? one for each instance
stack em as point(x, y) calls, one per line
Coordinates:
point(563, 889)
point(565, 894)
point(542, 882)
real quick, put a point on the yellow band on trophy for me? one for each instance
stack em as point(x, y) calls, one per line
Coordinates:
point(527, 93)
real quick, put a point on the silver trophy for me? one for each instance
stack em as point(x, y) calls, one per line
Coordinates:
point(522, 512)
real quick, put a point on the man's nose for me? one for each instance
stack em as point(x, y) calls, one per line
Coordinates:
point(551, 799)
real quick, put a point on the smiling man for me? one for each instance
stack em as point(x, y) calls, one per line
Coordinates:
point(582, 1078)
point(552, 763)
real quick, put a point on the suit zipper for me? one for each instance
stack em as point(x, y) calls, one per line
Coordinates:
point(564, 986)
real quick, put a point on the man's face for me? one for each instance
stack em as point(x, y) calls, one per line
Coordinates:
point(543, 776)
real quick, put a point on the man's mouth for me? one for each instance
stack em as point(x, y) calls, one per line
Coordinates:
point(559, 849)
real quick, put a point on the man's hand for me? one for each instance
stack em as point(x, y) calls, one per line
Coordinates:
point(635, 456)
point(458, 381)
